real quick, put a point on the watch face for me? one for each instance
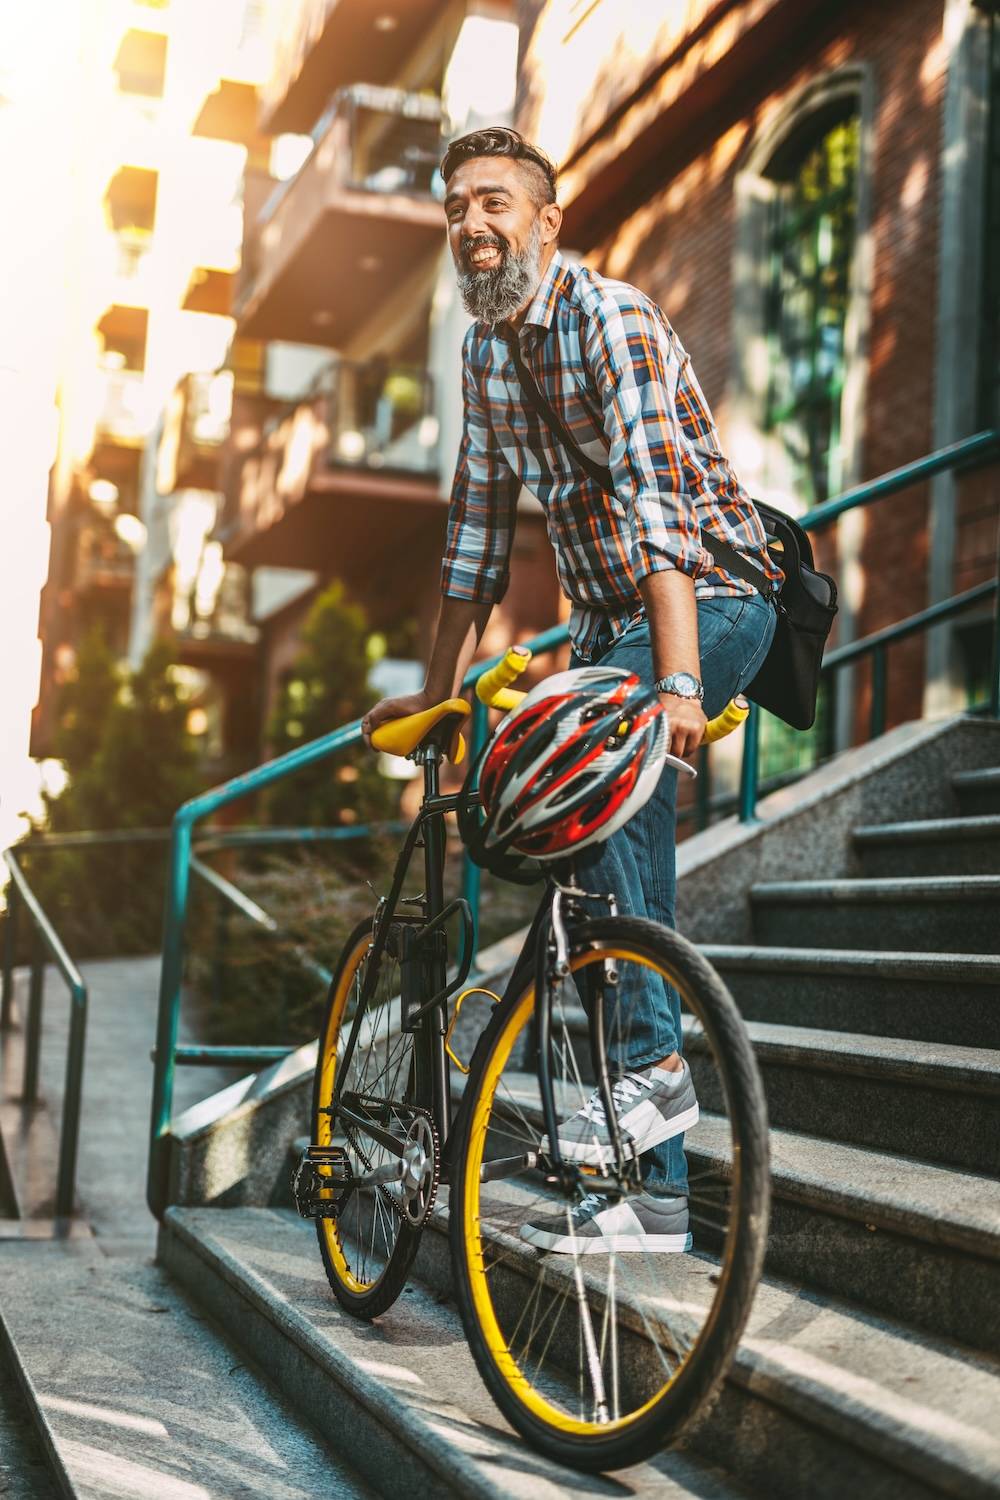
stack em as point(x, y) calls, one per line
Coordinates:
point(685, 683)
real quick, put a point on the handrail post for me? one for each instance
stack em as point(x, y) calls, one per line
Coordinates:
point(9, 955)
point(749, 766)
point(876, 716)
point(168, 1013)
point(33, 1035)
point(472, 875)
point(73, 1096)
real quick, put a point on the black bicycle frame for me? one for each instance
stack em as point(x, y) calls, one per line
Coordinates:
point(429, 1018)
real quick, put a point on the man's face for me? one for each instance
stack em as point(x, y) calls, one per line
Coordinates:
point(490, 213)
point(497, 235)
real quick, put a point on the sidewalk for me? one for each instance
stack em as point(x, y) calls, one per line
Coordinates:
point(117, 1091)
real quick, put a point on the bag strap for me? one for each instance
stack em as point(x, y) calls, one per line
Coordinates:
point(726, 555)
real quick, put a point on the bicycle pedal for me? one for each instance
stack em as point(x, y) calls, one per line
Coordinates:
point(321, 1180)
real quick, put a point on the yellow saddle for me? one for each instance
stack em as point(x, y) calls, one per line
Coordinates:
point(402, 736)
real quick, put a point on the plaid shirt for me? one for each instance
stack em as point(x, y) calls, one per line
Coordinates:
point(610, 364)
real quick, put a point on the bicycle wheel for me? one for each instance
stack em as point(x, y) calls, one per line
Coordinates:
point(599, 1359)
point(369, 1248)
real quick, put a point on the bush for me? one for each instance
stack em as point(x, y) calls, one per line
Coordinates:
point(130, 763)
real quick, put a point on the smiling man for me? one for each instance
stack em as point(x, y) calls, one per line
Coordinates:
point(646, 593)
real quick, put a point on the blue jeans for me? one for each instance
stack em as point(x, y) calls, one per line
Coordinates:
point(638, 863)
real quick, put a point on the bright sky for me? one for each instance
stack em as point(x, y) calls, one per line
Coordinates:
point(38, 49)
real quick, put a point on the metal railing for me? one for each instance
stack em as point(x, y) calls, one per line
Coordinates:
point(20, 897)
point(46, 938)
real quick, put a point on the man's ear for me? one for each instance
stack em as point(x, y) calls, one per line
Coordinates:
point(551, 217)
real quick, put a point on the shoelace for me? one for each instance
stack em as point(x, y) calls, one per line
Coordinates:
point(624, 1091)
point(589, 1205)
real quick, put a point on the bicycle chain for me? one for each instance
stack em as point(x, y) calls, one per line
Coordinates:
point(350, 1132)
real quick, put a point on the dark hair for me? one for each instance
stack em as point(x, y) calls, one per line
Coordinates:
point(500, 140)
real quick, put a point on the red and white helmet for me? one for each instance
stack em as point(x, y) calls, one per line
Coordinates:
point(571, 764)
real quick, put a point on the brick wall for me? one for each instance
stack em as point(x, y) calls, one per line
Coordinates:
point(676, 243)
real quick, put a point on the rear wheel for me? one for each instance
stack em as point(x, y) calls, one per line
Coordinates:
point(596, 1355)
point(369, 1248)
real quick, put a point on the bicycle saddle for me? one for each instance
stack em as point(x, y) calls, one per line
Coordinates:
point(402, 736)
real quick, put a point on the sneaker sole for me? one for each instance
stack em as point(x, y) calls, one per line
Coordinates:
point(622, 1244)
point(589, 1154)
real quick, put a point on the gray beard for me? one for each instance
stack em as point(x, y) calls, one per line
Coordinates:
point(495, 296)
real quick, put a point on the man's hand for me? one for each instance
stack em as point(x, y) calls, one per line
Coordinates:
point(394, 708)
point(687, 721)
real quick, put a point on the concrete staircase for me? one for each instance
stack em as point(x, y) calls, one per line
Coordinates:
point(873, 1000)
point(864, 950)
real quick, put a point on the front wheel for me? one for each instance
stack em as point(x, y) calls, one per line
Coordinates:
point(600, 1352)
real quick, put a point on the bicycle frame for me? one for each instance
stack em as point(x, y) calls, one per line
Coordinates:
point(423, 960)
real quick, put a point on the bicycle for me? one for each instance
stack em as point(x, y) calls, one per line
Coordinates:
point(649, 1338)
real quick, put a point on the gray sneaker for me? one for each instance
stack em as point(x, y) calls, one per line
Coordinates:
point(651, 1109)
point(596, 1226)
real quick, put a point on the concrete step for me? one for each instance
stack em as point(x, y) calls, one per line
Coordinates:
point(401, 1396)
point(927, 996)
point(935, 846)
point(821, 1399)
point(956, 914)
point(978, 792)
point(923, 1099)
point(137, 1395)
point(911, 1239)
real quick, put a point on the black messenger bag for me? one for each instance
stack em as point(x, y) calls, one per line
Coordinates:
point(787, 684)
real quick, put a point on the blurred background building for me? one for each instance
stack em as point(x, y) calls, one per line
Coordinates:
point(259, 384)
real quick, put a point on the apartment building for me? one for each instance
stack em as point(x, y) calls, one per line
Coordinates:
point(811, 192)
point(348, 477)
point(153, 237)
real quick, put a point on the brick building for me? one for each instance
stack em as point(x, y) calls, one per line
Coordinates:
point(809, 190)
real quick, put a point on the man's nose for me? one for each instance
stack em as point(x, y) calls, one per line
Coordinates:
point(473, 224)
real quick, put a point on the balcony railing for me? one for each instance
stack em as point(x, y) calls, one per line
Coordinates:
point(374, 417)
point(380, 415)
point(123, 410)
point(103, 560)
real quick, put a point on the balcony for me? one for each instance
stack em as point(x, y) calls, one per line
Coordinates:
point(124, 414)
point(365, 435)
point(357, 220)
point(195, 426)
point(104, 562)
point(207, 616)
point(325, 44)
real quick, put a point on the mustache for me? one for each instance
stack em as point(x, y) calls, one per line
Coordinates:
point(482, 242)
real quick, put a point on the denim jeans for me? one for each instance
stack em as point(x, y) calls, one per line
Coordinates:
point(638, 863)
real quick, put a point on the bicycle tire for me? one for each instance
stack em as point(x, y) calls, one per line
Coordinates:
point(362, 1299)
point(689, 1393)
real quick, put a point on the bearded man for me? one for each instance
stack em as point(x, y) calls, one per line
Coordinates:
point(646, 594)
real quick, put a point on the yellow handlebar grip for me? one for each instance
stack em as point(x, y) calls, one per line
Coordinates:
point(502, 675)
point(731, 718)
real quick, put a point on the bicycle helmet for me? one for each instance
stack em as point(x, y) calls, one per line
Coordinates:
point(569, 766)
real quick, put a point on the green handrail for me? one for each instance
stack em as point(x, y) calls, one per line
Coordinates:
point(46, 937)
point(968, 452)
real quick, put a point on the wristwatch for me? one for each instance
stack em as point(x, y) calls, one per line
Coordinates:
point(682, 685)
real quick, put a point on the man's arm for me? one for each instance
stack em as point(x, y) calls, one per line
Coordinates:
point(636, 371)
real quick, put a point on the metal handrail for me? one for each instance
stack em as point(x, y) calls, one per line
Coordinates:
point(21, 895)
point(969, 451)
point(47, 937)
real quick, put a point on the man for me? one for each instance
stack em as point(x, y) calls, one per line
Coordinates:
point(646, 594)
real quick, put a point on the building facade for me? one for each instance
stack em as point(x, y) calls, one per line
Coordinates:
point(809, 190)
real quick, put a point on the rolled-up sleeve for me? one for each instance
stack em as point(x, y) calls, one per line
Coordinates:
point(482, 512)
point(636, 370)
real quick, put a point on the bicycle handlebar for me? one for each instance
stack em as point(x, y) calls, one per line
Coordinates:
point(495, 690)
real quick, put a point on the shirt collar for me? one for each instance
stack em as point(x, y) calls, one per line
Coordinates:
point(543, 305)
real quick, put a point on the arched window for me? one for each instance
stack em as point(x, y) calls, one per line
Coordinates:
point(801, 284)
point(811, 233)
